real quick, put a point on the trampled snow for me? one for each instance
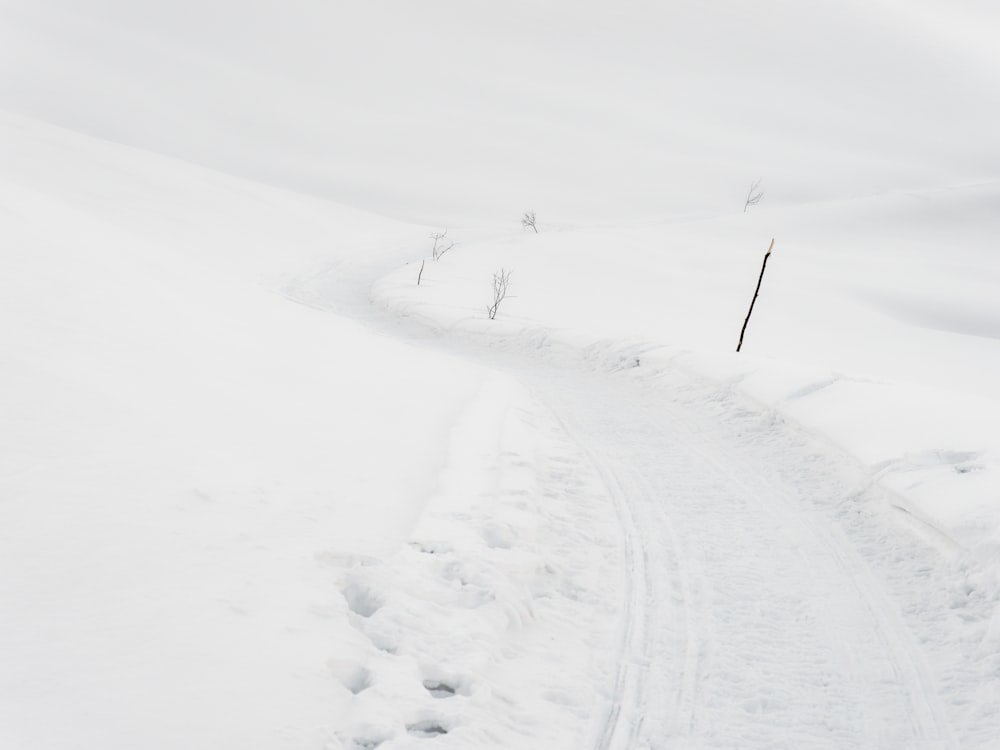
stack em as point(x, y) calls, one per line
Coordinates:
point(259, 489)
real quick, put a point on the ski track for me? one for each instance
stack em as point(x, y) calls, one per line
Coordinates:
point(753, 618)
point(773, 596)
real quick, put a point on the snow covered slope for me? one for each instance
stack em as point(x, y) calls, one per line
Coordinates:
point(232, 516)
point(231, 519)
point(180, 445)
point(447, 110)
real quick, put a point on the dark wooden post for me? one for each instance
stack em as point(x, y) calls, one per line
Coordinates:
point(755, 293)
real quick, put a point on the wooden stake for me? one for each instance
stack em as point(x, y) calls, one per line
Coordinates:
point(755, 293)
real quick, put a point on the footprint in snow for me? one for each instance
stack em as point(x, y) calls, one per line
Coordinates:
point(362, 600)
point(440, 688)
point(427, 728)
point(351, 675)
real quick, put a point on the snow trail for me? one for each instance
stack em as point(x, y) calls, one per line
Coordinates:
point(773, 597)
point(765, 625)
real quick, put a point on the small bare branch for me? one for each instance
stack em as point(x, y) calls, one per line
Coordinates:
point(528, 221)
point(754, 194)
point(437, 237)
point(420, 275)
point(439, 247)
point(501, 282)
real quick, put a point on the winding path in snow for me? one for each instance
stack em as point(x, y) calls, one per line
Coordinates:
point(773, 599)
point(754, 617)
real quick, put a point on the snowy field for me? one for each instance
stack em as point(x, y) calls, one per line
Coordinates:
point(260, 489)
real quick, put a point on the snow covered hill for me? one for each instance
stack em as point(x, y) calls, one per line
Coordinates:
point(259, 489)
point(443, 111)
point(180, 446)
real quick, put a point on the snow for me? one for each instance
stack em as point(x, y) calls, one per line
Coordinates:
point(477, 626)
point(829, 346)
point(259, 489)
point(441, 112)
point(181, 446)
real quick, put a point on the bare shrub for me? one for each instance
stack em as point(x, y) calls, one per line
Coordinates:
point(501, 283)
point(440, 248)
point(754, 194)
point(528, 221)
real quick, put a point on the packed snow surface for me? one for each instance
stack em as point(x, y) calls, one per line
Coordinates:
point(261, 489)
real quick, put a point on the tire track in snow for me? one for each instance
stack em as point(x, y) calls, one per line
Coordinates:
point(633, 644)
point(619, 731)
point(928, 720)
point(651, 599)
point(788, 638)
point(688, 602)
